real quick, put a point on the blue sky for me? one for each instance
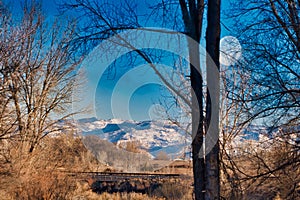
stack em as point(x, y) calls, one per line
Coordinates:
point(142, 99)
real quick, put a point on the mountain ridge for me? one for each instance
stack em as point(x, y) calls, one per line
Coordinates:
point(153, 136)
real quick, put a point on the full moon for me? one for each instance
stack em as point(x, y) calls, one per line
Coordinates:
point(230, 50)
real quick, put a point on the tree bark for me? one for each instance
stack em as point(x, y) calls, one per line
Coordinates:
point(197, 126)
point(192, 18)
point(212, 168)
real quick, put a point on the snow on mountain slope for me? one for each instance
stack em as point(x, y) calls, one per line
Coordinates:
point(154, 136)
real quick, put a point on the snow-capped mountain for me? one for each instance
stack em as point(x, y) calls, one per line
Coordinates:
point(154, 136)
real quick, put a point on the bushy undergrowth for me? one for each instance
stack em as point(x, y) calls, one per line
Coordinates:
point(172, 191)
point(41, 174)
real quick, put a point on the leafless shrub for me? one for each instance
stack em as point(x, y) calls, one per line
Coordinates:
point(172, 191)
point(120, 159)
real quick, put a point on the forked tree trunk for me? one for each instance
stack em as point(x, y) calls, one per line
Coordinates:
point(192, 12)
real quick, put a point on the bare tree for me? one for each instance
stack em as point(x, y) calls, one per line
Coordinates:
point(107, 20)
point(36, 77)
point(270, 66)
point(271, 53)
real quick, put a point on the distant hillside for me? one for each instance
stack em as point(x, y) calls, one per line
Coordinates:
point(110, 155)
point(157, 136)
point(153, 136)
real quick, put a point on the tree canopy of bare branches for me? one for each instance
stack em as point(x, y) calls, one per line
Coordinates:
point(36, 80)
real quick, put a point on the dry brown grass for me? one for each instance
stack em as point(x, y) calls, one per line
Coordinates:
point(84, 192)
point(38, 175)
point(127, 196)
point(41, 174)
point(173, 191)
point(168, 190)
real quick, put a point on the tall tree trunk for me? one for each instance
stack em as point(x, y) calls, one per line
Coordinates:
point(212, 168)
point(192, 12)
point(197, 126)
